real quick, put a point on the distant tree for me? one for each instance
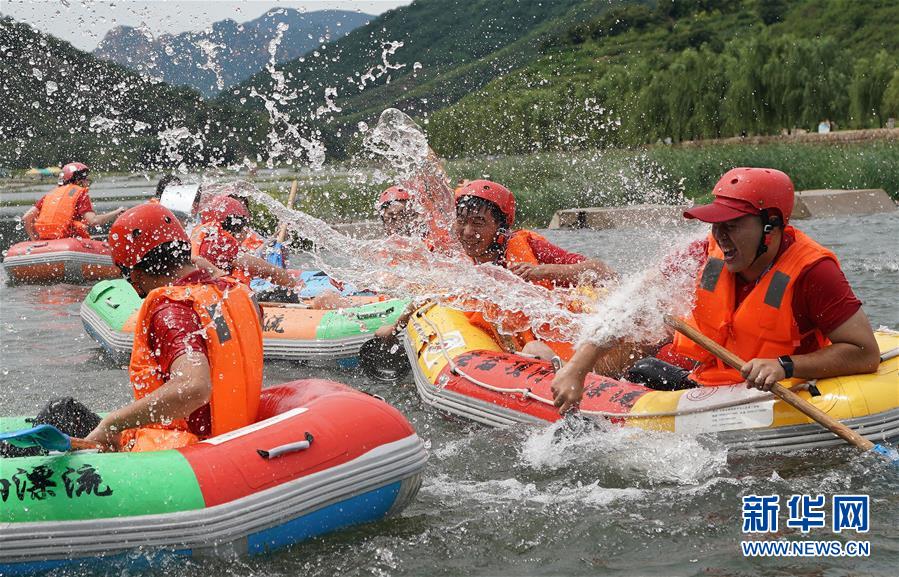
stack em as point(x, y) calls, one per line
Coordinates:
point(771, 11)
point(870, 79)
point(890, 105)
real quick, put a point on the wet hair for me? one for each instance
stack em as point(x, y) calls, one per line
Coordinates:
point(164, 182)
point(234, 224)
point(468, 204)
point(165, 258)
point(79, 175)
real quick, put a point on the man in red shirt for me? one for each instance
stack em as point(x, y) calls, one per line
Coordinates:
point(71, 213)
point(197, 359)
point(766, 291)
point(397, 213)
point(485, 214)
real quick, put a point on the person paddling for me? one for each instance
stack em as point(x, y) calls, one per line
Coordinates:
point(196, 365)
point(766, 291)
point(66, 211)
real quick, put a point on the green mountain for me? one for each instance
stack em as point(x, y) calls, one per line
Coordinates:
point(688, 69)
point(420, 58)
point(61, 104)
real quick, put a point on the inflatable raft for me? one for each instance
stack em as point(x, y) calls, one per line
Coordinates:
point(250, 491)
point(459, 369)
point(290, 331)
point(74, 260)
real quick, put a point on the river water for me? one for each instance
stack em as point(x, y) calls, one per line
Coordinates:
point(520, 501)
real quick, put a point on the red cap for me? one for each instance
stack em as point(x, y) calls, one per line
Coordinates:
point(393, 194)
point(721, 210)
point(220, 207)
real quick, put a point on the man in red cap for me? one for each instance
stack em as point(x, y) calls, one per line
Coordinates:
point(196, 365)
point(66, 211)
point(766, 291)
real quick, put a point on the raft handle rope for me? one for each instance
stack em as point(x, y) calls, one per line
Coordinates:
point(526, 393)
point(281, 450)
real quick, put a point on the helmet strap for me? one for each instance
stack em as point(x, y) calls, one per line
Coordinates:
point(768, 226)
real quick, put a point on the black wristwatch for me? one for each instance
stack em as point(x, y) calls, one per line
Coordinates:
point(787, 363)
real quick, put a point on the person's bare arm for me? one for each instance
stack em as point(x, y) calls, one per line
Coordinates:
point(563, 274)
point(204, 264)
point(853, 350)
point(28, 222)
point(91, 218)
point(188, 389)
point(261, 268)
point(390, 331)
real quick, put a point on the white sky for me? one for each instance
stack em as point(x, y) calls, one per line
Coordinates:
point(85, 22)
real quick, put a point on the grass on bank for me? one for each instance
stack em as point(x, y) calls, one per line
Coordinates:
point(546, 182)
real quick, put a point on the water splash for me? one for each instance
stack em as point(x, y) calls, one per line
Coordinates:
point(624, 456)
point(371, 75)
point(210, 51)
point(636, 308)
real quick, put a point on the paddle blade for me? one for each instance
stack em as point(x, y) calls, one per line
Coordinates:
point(46, 437)
point(889, 453)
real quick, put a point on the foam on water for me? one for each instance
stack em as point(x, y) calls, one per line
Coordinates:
point(628, 454)
point(512, 490)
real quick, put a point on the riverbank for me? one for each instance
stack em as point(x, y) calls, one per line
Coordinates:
point(546, 182)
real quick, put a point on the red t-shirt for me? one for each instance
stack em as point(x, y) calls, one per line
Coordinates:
point(548, 253)
point(822, 298)
point(175, 329)
point(82, 207)
point(220, 250)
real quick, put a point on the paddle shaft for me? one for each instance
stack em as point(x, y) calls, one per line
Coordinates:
point(282, 232)
point(779, 390)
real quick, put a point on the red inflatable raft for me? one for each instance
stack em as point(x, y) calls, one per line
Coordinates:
point(75, 260)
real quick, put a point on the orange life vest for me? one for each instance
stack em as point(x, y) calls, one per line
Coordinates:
point(57, 216)
point(763, 326)
point(233, 337)
point(213, 231)
point(252, 242)
point(518, 249)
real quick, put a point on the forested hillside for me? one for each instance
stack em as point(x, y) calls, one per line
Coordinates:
point(420, 58)
point(61, 104)
point(688, 69)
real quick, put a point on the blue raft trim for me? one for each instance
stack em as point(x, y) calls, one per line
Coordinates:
point(362, 508)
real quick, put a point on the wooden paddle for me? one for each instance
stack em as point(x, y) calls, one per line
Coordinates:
point(785, 394)
point(47, 437)
point(291, 198)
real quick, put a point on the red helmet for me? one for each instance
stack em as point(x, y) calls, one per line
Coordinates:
point(493, 192)
point(763, 188)
point(71, 171)
point(139, 230)
point(393, 194)
point(220, 207)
